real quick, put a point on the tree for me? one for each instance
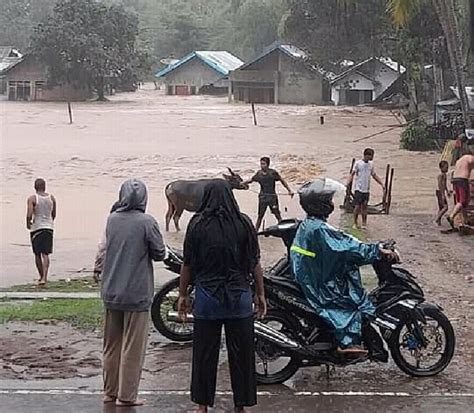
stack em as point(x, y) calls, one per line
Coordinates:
point(256, 25)
point(18, 19)
point(403, 10)
point(87, 43)
point(337, 31)
point(177, 27)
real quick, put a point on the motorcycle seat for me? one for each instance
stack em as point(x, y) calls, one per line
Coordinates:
point(289, 285)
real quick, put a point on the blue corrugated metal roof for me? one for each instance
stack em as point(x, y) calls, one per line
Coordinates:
point(221, 61)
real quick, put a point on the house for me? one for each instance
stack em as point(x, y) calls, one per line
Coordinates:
point(9, 57)
point(27, 80)
point(198, 72)
point(281, 74)
point(365, 82)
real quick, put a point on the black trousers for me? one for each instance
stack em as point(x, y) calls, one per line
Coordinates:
point(240, 342)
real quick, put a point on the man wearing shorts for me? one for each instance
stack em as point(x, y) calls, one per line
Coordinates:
point(268, 198)
point(40, 217)
point(460, 181)
point(363, 172)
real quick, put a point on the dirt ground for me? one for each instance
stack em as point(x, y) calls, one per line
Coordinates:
point(159, 138)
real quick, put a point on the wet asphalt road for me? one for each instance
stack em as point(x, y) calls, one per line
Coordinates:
point(176, 402)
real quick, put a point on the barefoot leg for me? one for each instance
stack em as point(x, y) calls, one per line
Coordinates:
point(39, 266)
point(45, 260)
point(137, 402)
point(109, 399)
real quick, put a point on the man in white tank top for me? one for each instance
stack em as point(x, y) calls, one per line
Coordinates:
point(40, 218)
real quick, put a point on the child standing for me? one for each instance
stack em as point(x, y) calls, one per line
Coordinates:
point(362, 173)
point(442, 192)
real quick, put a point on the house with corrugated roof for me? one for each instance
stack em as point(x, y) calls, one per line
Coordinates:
point(27, 80)
point(199, 72)
point(9, 57)
point(366, 81)
point(281, 74)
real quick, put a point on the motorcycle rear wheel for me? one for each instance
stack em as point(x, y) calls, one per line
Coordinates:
point(399, 341)
point(166, 299)
point(266, 352)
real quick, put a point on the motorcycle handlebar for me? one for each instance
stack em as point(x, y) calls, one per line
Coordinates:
point(388, 244)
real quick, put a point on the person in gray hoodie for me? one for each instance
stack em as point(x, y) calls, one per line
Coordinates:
point(132, 241)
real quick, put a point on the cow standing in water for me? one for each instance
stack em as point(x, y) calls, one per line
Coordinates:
point(187, 195)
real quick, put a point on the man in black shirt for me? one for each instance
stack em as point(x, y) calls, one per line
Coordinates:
point(268, 198)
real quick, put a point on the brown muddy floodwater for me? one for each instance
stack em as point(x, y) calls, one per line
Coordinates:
point(158, 139)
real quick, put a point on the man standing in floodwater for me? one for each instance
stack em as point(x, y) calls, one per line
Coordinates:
point(40, 216)
point(268, 198)
point(363, 172)
point(461, 186)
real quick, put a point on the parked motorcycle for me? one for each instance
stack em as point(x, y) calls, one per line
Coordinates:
point(419, 337)
point(165, 301)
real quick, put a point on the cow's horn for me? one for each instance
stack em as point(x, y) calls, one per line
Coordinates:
point(231, 171)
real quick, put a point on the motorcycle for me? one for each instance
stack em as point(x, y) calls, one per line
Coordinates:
point(419, 337)
point(165, 302)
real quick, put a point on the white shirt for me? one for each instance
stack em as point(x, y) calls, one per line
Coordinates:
point(42, 215)
point(364, 171)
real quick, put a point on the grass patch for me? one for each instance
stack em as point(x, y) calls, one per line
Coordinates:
point(77, 285)
point(369, 278)
point(347, 221)
point(83, 314)
point(357, 233)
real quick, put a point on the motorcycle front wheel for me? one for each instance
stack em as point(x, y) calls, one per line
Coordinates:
point(274, 365)
point(165, 300)
point(419, 360)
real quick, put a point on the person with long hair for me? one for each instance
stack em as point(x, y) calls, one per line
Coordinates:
point(221, 253)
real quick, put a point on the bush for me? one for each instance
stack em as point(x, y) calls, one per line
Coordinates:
point(417, 136)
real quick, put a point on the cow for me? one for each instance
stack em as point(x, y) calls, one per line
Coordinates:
point(187, 195)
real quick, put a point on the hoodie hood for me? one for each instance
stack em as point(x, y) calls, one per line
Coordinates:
point(133, 196)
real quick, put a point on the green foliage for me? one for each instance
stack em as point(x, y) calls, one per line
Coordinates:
point(417, 136)
point(86, 284)
point(85, 313)
point(334, 31)
point(402, 11)
point(88, 43)
point(18, 19)
point(173, 28)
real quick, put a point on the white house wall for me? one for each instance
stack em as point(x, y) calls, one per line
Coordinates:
point(353, 81)
point(385, 76)
point(192, 73)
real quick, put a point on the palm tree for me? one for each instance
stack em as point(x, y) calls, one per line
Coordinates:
point(401, 12)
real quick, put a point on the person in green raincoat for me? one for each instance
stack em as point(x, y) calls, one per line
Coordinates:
point(326, 263)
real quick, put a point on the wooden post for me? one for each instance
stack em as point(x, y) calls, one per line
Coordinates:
point(352, 165)
point(69, 109)
point(384, 197)
point(389, 196)
point(254, 115)
point(348, 198)
point(229, 91)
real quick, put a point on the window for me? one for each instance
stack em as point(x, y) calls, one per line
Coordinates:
point(39, 87)
point(19, 90)
point(23, 90)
